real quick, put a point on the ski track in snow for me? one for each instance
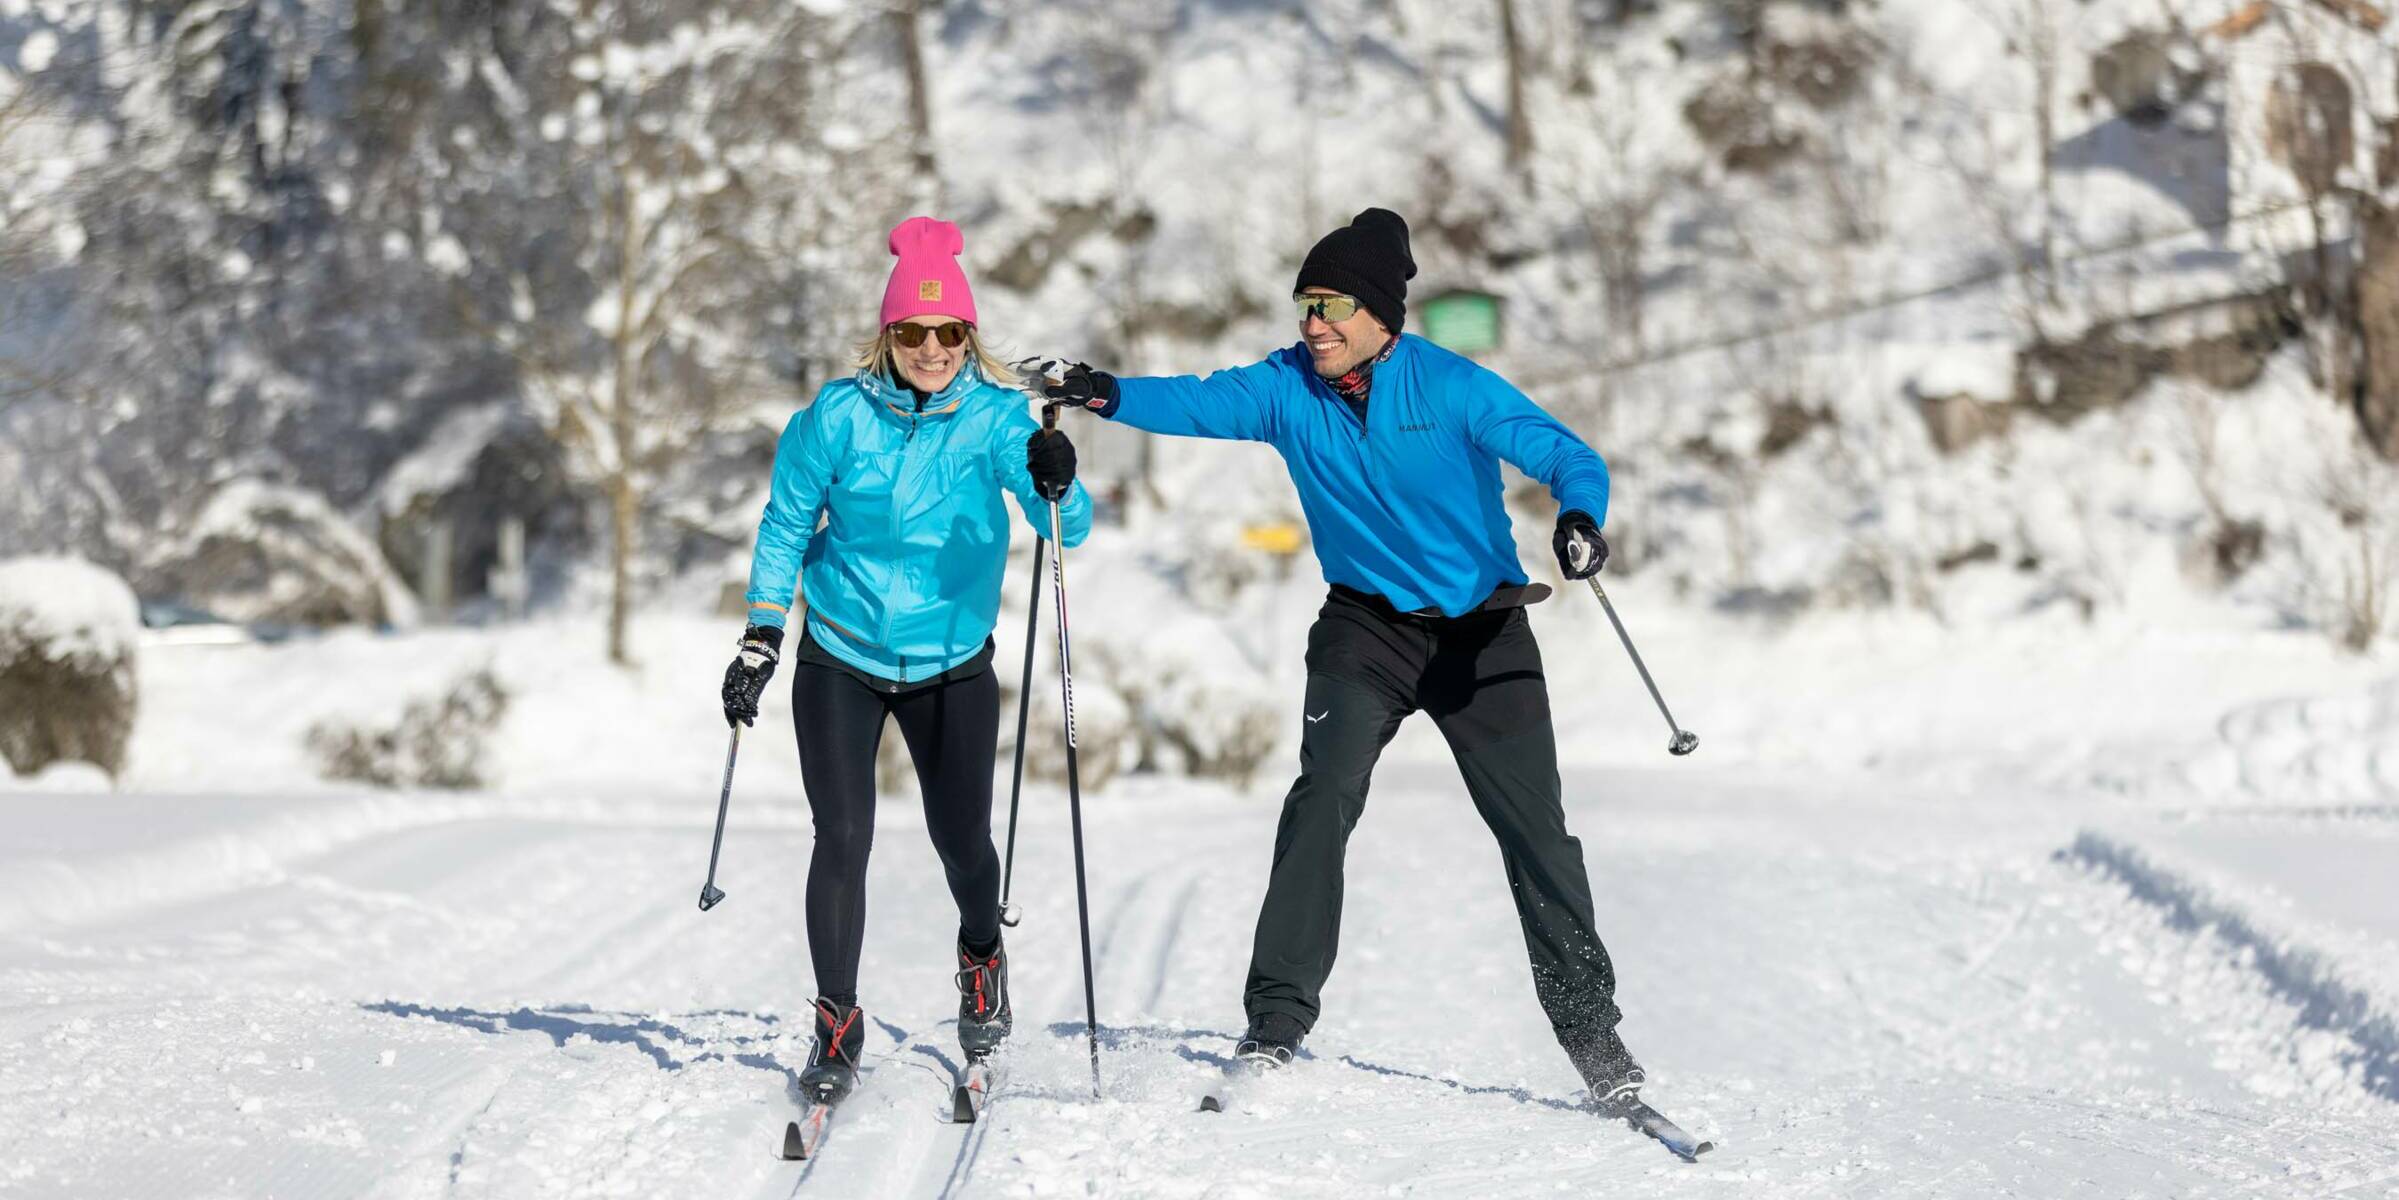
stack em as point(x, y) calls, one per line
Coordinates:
point(2321, 988)
point(1853, 990)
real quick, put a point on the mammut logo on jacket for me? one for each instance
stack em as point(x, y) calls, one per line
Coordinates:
point(1425, 427)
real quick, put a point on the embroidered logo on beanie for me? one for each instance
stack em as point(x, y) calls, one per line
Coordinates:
point(928, 289)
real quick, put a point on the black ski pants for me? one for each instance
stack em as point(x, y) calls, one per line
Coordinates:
point(1479, 676)
point(952, 730)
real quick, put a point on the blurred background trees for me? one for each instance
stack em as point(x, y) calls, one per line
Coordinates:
point(319, 311)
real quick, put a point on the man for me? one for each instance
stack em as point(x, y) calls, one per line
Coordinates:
point(1394, 445)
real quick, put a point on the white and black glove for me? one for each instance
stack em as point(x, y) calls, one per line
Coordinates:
point(1581, 551)
point(1078, 385)
point(745, 679)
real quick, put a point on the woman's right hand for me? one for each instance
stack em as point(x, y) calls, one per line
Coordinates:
point(1050, 458)
point(745, 679)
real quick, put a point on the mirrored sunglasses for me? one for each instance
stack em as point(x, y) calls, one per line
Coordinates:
point(1327, 308)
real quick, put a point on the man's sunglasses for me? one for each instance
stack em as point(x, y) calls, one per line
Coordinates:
point(1331, 309)
point(912, 335)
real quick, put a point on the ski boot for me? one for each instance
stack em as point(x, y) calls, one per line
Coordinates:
point(1273, 1039)
point(983, 1014)
point(833, 1064)
point(1607, 1069)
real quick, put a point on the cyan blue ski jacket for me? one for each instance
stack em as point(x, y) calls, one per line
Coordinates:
point(903, 581)
point(1406, 504)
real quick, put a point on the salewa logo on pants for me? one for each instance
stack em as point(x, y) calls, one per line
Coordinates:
point(1320, 716)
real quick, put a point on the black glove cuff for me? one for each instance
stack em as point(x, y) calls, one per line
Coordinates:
point(1105, 395)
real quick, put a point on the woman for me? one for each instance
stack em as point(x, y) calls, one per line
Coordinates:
point(905, 462)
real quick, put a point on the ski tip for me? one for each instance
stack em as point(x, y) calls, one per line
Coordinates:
point(962, 1105)
point(795, 1147)
point(1211, 1103)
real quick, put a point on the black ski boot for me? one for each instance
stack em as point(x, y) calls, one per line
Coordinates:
point(833, 1064)
point(983, 1014)
point(1273, 1039)
point(1607, 1069)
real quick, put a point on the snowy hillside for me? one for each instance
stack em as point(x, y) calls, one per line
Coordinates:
point(1967, 308)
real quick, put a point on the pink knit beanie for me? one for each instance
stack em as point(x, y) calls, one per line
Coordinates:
point(927, 281)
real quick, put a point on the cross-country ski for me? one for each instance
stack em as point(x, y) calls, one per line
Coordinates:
point(803, 1137)
point(1656, 1124)
point(973, 1089)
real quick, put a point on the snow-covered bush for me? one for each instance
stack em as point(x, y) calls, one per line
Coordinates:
point(1104, 742)
point(1198, 707)
point(437, 743)
point(264, 552)
point(2345, 547)
point(67, 632)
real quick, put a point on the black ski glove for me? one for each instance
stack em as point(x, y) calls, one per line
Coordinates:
point(745, 679)
point(1051, 459)
point(1080, 385)
point(1581, 551)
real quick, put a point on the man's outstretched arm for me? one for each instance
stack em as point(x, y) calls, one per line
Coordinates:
point(1238, 403)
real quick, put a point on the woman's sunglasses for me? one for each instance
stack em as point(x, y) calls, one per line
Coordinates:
point(1331, 309)
point(912, 335)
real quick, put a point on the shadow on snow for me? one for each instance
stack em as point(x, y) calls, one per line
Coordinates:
point(1179, 1042)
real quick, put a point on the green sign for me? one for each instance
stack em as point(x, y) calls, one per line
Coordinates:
point(1467, 322)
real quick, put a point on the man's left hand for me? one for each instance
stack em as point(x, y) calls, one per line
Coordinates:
point(1581, 551)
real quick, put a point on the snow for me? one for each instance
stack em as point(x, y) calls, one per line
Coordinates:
point(2061, 880)
point(2307, 900)
point(1903, 926)
point(68, 608)
point(37, 50)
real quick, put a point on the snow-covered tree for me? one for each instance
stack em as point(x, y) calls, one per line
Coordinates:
point(37, 232)
point(638, 204)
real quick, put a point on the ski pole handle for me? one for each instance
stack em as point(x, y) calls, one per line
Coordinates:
point(709, 893)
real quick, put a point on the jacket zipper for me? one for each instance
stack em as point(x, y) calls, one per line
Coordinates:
point(916, 421)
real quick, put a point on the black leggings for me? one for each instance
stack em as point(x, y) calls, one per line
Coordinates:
point(952, 730)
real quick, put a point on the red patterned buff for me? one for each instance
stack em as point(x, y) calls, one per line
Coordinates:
point(1360, 379)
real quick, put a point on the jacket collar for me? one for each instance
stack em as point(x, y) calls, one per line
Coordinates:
point(899, 400)
point(1402, 347)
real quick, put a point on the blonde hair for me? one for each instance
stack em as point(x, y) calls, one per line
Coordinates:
point(875, 354)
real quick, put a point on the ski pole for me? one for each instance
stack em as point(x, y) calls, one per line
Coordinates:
point(709, 895)
point(1074, 791)
point(1684, 741)
point(1009, 913)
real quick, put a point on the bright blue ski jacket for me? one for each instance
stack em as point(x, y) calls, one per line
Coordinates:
point(1406, 504)
point(903, 580)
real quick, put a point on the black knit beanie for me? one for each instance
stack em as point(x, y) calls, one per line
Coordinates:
point(1367, 258)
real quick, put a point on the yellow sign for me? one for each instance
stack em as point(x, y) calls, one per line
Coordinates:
point(1279, 537)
